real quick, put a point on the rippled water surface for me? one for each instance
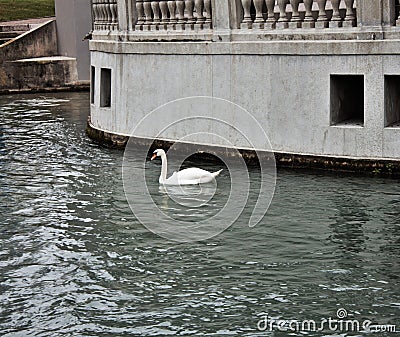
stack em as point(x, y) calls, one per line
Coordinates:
point(74, 261)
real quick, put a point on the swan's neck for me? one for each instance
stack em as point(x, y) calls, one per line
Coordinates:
point(163, 175)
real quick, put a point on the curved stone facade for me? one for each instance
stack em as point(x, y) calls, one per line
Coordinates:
point(330, 91)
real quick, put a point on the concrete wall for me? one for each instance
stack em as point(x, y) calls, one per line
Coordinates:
point(38, 42)
point(52, 72)
point(74, 21)
point(285, 85)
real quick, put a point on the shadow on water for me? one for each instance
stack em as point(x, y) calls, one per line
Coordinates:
point(75, 261)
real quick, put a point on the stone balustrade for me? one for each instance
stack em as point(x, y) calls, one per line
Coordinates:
point(173, 15)
point(105, 14)
point(281, 14)
point(227, 20)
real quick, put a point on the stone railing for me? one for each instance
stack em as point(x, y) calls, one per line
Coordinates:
point(281, 14)
point(105, 14)
point(229, 20)
point(173, 15)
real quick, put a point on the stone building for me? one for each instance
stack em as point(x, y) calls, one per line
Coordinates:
point(321, 76)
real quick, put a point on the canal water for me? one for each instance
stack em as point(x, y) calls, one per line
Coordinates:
point(74, 261)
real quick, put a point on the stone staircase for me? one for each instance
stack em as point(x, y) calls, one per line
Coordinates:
point(29, 58)
point(12, 29)
point(7, 35)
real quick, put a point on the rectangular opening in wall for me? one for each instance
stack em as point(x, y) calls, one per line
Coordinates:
point(392, 100)
point(347, 100)
point(105, 88)
point(92, 83)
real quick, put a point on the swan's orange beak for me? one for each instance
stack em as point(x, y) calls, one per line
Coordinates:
point(153, 156)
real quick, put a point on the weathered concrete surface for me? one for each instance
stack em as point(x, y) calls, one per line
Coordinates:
point(285, 85)
point(30, 63)
point(297, 82)
point(38, 42)
point(44, 72)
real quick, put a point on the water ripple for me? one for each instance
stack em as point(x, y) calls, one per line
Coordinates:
point(75, 262)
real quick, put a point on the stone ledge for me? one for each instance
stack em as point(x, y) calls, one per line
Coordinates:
point(368, 166)
point(329, 48)
point(45, 59)
point(81, 86)
point(253, 34)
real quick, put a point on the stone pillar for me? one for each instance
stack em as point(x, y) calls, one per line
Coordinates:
point(389, 12)
point(123, 19)
point(375, 13)
point(308, 19)
point(236, 14)
point(132, 14)
point(222, 20)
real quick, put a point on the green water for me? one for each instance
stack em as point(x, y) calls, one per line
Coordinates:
point(74, 261)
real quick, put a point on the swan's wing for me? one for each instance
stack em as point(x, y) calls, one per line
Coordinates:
point(190, 176)
point(192, 173)
point(195, 175)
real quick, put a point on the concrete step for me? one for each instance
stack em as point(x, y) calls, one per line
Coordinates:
point(23, 25)
point(14, 27)
point(42, 72)
point(10, 34)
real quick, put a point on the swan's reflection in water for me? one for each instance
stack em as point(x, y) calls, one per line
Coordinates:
point(190, 195)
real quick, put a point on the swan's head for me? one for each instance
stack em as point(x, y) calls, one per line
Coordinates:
point(157, 153)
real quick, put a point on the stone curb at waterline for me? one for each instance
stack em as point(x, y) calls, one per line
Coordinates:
point(368, 166)
point(68, 88)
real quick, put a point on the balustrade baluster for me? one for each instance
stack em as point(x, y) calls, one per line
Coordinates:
point(322, 21)
point(308, 19)
point(113, 16)
point(102, 13)
point(271, 21)
point(164, 14)
point(159, 14)
point(114, 10)
point(147, 14)
point(107, 15)
point(96, 9)
point(246, 22)
point(107, 7)
point(95, 14)
point(155, 8)
point(259, 20)
point(336, 20)
point(140, 13)
point(172, 14)
point(283, 20)
point(199, 4)
point(350, 19)
point(180, 6)
point(208, 22)
point(189, 5)
point(295, 21)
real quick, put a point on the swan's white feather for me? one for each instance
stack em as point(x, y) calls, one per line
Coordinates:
point(189, 176)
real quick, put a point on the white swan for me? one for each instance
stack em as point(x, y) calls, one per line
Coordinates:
point(189, 176)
